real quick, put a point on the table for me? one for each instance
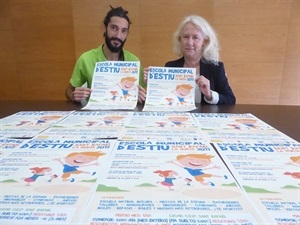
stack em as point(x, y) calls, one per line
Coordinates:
point(187, 196)
point(284, 118)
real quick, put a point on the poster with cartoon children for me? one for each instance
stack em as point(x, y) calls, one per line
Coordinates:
point(27, 124)
point(269, 174)
point(148, 178)
point(114, 86)
point(170, 89)
point(232, 127)
point(175, 126)
point(88, 124)
point(52, 176)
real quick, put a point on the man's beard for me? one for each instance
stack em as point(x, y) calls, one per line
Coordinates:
point(111, 47)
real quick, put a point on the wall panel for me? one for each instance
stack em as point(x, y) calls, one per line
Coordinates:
point(290, 85)
point(40, 42)
point(43, 48)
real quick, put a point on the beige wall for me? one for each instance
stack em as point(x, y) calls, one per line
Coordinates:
point(40, 41)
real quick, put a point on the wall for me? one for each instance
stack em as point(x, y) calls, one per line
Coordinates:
point(41, 40)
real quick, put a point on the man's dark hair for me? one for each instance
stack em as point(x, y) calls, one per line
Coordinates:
point(119, 11)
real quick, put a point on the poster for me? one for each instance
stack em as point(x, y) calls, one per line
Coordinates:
point(270, 175)
point(170, 89)
point(148, 182)
point(168, 126)
point(27, 124)
point(114, 86)
point(230, 127)
point(7, 143)
point(49, 181)
point(89, 125)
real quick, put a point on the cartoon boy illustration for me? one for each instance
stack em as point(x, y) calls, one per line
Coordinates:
point(37, 172)
point(177, 120)
point(76, 160)
point(295, 161)
point(169, 177)
point(182, 92)
point(127, 84)
point(195, 164)
point(247, 123)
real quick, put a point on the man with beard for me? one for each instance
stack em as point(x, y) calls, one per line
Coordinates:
point(116, 28)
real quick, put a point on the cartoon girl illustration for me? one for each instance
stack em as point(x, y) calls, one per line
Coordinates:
point(295, 175)
point(294, 161)
point(169, 177)
point(195, 164)
point(235, 126)
point(182, 92)
point(91, 123)
point(127, 84)
point(109, 120)
point(37, 172)
point(170, 101)
point(114, 95)
point(76, 160)
point(22, 123)
point(161, 124)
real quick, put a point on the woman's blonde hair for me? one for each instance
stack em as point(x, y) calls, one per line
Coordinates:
point(210, 51)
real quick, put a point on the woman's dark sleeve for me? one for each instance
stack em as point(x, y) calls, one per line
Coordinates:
point(226, 95)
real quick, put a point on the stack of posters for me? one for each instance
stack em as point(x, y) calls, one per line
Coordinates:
point(146, 168)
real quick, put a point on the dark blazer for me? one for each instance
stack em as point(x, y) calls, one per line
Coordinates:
point(217, 77)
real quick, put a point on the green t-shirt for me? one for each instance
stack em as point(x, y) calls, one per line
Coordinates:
point(85, 65)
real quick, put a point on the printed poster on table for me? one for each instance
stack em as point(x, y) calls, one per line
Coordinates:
point(227, 127)
point(170, 89)
point(89, 125)
point(114, 86)
point(27, 124)
point(270, 175)
point(50, 181)
point(170, 126)
point(186, 183)
point(7, 143)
